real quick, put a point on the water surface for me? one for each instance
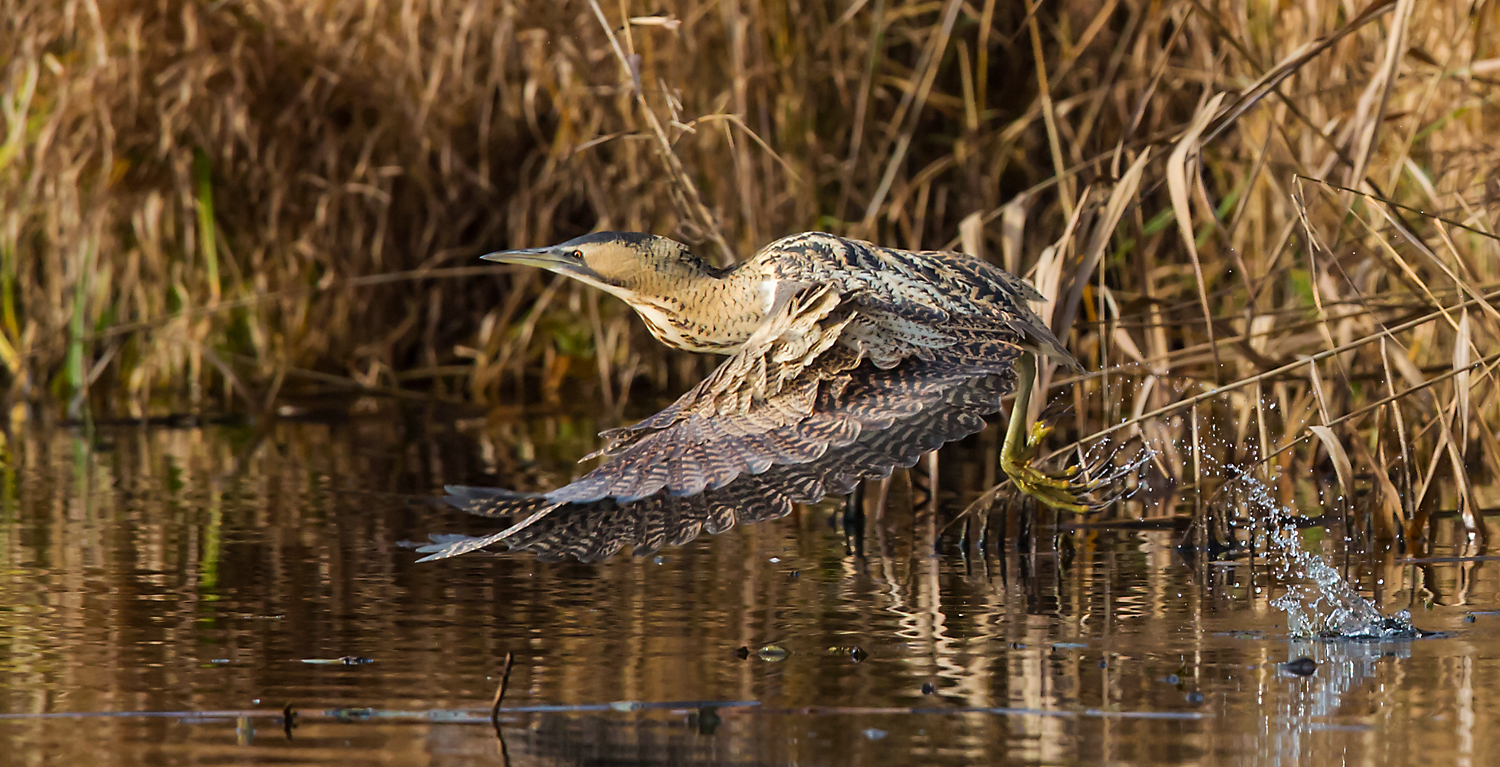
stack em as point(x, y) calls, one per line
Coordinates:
point(193, 573)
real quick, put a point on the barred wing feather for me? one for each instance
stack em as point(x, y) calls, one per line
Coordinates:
point(894, 416)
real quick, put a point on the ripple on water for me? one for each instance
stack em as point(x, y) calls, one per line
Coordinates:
point(193, 571)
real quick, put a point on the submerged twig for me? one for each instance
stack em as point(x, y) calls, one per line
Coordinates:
point(500, 689)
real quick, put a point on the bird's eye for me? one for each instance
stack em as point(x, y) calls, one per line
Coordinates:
point(578, 254)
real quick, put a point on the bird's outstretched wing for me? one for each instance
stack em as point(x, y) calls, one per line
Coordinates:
point(784, 399)
point(896, 414)
point(752, 412)
point(803, 411)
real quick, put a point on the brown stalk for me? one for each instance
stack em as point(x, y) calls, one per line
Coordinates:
point(696, 210)
point(1220, 390)
point(917, 100)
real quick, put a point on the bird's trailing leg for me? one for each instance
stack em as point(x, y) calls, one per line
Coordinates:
point(1072, 489)
point(922, 483)
point(854, 519)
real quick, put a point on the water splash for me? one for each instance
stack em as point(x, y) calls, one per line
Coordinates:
point(1318, 602)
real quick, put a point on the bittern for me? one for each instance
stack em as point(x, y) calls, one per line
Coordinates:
point(846, 360)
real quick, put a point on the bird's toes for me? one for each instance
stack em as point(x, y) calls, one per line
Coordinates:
point(1085, 485)
point(1039, 432)
point(1101, 482)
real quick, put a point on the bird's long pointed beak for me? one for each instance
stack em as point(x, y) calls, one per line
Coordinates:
point(553, 259)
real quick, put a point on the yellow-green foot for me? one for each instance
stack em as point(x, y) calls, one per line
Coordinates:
point(1071, 489)
point(1089, 485)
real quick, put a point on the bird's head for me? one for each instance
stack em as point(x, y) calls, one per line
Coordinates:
point(627, 264)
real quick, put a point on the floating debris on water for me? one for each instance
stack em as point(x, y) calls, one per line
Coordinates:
point(852, 652)
point(1303, 666)
point(1241, 634)
point(773, 653)
point(353, 713)
point(705, 720)
point(347, 660)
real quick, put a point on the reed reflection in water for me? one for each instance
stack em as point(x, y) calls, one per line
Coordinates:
point(196, 570)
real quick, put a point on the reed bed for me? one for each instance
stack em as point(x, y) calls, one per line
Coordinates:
point(1269, 228)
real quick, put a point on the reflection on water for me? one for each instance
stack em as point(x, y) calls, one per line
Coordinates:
point(194, 571)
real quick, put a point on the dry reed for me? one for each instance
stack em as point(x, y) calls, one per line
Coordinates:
point(1237, 210)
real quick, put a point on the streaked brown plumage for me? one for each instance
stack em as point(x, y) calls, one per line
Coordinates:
point(847, 360)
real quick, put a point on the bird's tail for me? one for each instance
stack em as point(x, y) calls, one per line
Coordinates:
point(492, 502)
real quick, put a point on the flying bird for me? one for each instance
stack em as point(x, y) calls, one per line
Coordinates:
point(845, 360)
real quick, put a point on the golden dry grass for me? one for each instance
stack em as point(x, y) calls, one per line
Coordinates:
point(214, 205)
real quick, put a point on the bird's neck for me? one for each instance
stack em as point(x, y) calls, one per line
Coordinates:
point(707, 312)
